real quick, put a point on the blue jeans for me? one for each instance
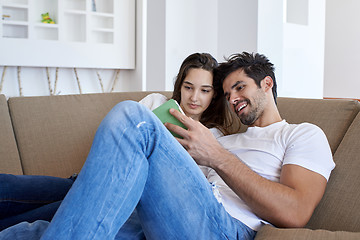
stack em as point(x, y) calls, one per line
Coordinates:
point(136, 164)
point(131, 230)
point(30, 198)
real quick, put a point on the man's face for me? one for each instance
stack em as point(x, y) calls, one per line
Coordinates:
point(245, 97)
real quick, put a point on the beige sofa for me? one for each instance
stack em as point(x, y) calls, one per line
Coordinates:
point(52, 135)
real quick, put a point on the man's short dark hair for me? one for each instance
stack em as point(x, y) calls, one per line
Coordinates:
point(255, 66)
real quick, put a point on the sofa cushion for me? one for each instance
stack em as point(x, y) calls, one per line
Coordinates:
point(333, 116)
point(340, 207)
point(9, 156)
point(55, 133)
point(270, 233)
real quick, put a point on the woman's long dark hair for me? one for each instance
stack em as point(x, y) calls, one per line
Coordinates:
point(218, 113)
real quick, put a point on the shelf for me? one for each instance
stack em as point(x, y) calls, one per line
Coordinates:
point(45, 31)
point(46, 34)
point(19, 23)
point(46, 25)
point(82, 36)
point(75, 5)
point(15, 13)
point(80, 12)
point(15, 5)
point(40, 7)
point(100, 21)
point(104, 6)
point(15, 31)
point(99, 14)
point(109, 30)
point(16, 2)
point(75, 26)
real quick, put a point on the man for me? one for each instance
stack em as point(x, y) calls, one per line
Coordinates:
point(278, 170)
point(274, 172)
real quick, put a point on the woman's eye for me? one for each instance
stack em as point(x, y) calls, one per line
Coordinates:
point(206, 91)
point(187, 87)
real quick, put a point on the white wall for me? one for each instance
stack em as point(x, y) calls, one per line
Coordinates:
point(303, 53)
point(296, 49)
point(342, 49)
point(155, 44)
point(191, 26)
point(270, 35)
point(237, 27)
point(219, 27)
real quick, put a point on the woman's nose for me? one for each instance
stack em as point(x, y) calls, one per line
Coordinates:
point(194, 96)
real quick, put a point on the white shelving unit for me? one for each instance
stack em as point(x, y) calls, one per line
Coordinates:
point(85, 35)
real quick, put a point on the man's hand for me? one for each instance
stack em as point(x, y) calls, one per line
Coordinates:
point(197, 140)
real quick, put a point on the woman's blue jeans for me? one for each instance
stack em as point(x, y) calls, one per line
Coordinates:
point(30, 198)
point(136, 164)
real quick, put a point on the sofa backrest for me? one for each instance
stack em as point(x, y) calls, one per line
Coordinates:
point(10, 161)
point(333, 116)
point(54, 133)
point(339, 210)
point(340, 120)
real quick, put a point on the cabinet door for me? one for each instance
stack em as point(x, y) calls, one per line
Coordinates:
point(68, 33)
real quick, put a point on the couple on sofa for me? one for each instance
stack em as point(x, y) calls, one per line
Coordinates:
point(213, 183)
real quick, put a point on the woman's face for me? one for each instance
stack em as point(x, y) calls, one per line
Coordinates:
point(196, 92)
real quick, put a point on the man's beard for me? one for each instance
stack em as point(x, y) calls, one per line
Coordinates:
point(249, 118)
point(256, 112)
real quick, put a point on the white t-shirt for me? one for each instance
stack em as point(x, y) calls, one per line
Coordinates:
point(153, 100)
point(265, 150)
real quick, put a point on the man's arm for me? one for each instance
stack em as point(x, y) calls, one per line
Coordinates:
point(289, 203)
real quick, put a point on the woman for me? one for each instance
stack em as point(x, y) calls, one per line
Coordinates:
point(199, 98)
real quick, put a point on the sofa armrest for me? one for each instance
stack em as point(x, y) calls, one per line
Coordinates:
point(267, 232)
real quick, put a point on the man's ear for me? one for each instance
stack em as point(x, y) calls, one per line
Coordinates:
point(268, 83)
